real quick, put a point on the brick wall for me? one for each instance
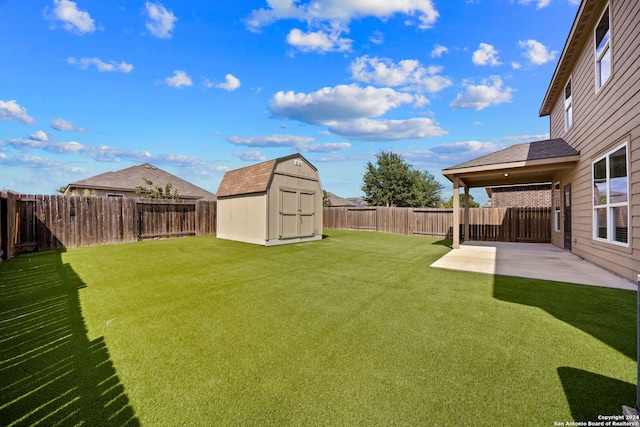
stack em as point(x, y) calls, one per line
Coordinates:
point(534, 196)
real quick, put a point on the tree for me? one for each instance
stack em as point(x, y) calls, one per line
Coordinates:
point(326, 201)
point(394, 182)
point(472, 203)
point(156, 192)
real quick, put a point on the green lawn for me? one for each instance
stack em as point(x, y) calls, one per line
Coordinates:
point(355, 329)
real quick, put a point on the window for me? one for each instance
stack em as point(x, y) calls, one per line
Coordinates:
point(603, 50)
point(568, 109)
point(556, 205)
point(611, 197)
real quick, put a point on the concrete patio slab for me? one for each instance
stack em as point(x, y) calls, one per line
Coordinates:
point(530, 260)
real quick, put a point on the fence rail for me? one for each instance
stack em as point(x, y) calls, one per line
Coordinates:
point(41, 222)
point(491, 224)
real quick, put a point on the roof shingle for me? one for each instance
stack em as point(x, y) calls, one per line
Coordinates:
point(130, 178)
point(546, 149)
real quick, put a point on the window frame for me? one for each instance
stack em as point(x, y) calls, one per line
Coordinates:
point(608, 207)
point(568, 106)
point(606, 48)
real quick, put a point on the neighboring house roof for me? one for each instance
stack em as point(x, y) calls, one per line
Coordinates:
point(339, 201)
point(126, 180)
point(252, 179)
point(358, 201)
point(520, 163)
point(581, 32)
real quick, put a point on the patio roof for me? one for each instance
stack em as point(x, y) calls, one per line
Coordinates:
point(518, 164)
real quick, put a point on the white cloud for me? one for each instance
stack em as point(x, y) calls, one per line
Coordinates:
point(111, 66)
point(180, 78)
point(277, 140)
point(409, 73)
point(377, 37)
point(479, 97)
point(467, 148)
point(536, 52)
point(347, 111)
point(540, 4)
point(161, 21)
point(326, 147)
point(39, 136)
point(516, 65)
point(73, 19)
point(319, 41)
point(340, 103)
point(438, 51)
point(486, 55)
point(10, 110)
point(299, 143)
point(342, 11)
point(56, 147)
point(250, 156)
point(231, 83)
point(387, 130)
point(64, 125)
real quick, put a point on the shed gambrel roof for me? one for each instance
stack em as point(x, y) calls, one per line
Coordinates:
point(252, 179)
point(130, 178)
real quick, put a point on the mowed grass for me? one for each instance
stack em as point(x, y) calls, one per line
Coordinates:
point(355, 329)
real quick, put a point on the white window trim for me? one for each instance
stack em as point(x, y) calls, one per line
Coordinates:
point(597, 58)
point(568, 106)
point(609, 205)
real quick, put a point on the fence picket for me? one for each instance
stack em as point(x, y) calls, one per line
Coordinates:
point(491, 224)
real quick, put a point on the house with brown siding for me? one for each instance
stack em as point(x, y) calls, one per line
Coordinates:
point(593, 156)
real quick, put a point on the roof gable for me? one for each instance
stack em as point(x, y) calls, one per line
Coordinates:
point(130, 178)
point(581, 32)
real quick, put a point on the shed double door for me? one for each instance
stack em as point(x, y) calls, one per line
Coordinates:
point(297, 212)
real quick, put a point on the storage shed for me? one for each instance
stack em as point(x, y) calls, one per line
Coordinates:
point(271, 203)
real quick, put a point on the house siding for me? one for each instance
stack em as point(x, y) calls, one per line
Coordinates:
point(603, 121)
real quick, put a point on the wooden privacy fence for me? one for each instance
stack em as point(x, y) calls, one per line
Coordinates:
point(37, 222)
point(491, 224)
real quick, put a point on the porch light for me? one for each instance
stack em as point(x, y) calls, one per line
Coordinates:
point(506, 174)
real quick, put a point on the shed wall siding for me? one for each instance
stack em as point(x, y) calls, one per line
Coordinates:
point(602, 121)
point(243, 218)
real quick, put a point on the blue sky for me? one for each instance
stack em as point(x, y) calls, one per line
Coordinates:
point(201, 87)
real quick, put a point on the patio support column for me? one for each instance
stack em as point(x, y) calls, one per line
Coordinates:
point(456, 213)
point(466, 213)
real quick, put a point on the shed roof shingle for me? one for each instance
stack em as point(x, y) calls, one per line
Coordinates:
point(247, 180)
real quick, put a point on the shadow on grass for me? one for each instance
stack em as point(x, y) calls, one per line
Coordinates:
point(444, 242)
point(50, 372)
point(590, 395)
point(608, 315)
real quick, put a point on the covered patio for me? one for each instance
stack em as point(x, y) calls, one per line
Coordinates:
point(528, 163)
point(530, 260)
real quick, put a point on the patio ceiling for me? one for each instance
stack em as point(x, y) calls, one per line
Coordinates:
point(519, 164)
